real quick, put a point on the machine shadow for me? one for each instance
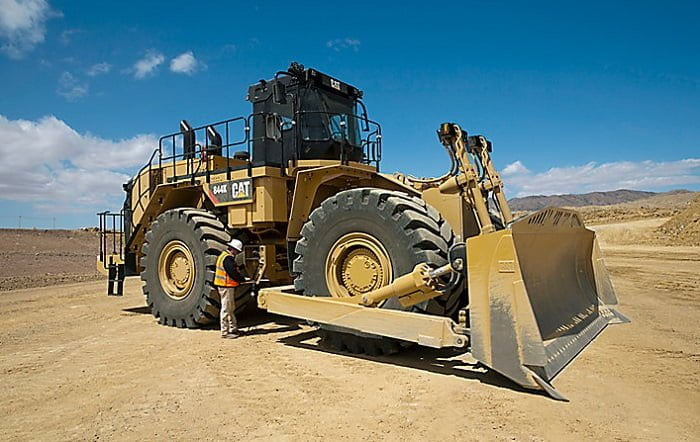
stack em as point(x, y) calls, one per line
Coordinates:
point(143, 310)
point(446, 361)
point(250, 321)
point(438, 361)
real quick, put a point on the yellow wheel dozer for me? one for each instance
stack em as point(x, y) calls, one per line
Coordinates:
point(379, 261)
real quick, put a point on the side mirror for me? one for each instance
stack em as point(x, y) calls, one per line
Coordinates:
point(279, 92)
point(273, 124)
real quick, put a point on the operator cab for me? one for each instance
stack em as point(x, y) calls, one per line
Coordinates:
point(303, 114)
point(300, 114)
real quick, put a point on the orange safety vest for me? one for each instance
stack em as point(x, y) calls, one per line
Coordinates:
point(221, 278)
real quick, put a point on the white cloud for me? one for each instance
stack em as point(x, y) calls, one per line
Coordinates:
point(22, 25)
point(70, 87)
point(99, 69)
point(148, 64)
point(185, 63)
point(591, 177)
point(515, 168)
point(48, 162)
point(340, 44)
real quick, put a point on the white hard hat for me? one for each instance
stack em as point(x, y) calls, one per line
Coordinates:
point(236, 244)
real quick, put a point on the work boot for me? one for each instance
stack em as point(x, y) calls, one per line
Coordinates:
point(233, 334)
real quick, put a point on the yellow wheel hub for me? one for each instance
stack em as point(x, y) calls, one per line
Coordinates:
point(176, 269)
point(357, 264)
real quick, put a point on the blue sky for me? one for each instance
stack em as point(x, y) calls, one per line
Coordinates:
point(576, 96)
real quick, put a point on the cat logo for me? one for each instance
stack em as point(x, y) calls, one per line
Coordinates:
point(335, 84)
point(230, 191)
point(241, 189)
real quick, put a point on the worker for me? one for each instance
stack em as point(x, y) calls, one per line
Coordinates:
point(227, 278)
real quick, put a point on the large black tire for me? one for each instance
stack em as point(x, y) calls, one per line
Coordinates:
point(205, 236)
point(411, 232)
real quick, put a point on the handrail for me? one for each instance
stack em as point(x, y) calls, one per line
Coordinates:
point(371, 145)
point(105, 235)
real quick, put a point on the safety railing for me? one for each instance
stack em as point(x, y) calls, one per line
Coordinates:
point(203, 144)
point(198, 144)
point(111, 235)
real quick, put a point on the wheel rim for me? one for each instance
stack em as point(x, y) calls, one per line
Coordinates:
point(357, 264)
point(176, 270)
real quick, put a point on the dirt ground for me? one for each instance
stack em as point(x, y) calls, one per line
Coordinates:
point(79, 365)
point(39, 258)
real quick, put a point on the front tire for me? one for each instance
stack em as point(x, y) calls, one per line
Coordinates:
point(179, 261)
point(361, 239)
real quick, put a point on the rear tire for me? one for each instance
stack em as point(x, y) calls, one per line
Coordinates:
point(179, 261)
point(408, 231)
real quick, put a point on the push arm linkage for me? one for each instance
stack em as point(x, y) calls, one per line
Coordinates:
point(473, 187)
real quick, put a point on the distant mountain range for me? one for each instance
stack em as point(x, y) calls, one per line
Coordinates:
point(537, 202)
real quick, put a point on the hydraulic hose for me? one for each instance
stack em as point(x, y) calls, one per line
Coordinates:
point(454, 169)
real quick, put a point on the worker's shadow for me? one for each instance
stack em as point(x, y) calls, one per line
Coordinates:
point(445, 361)
point(258, 322)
